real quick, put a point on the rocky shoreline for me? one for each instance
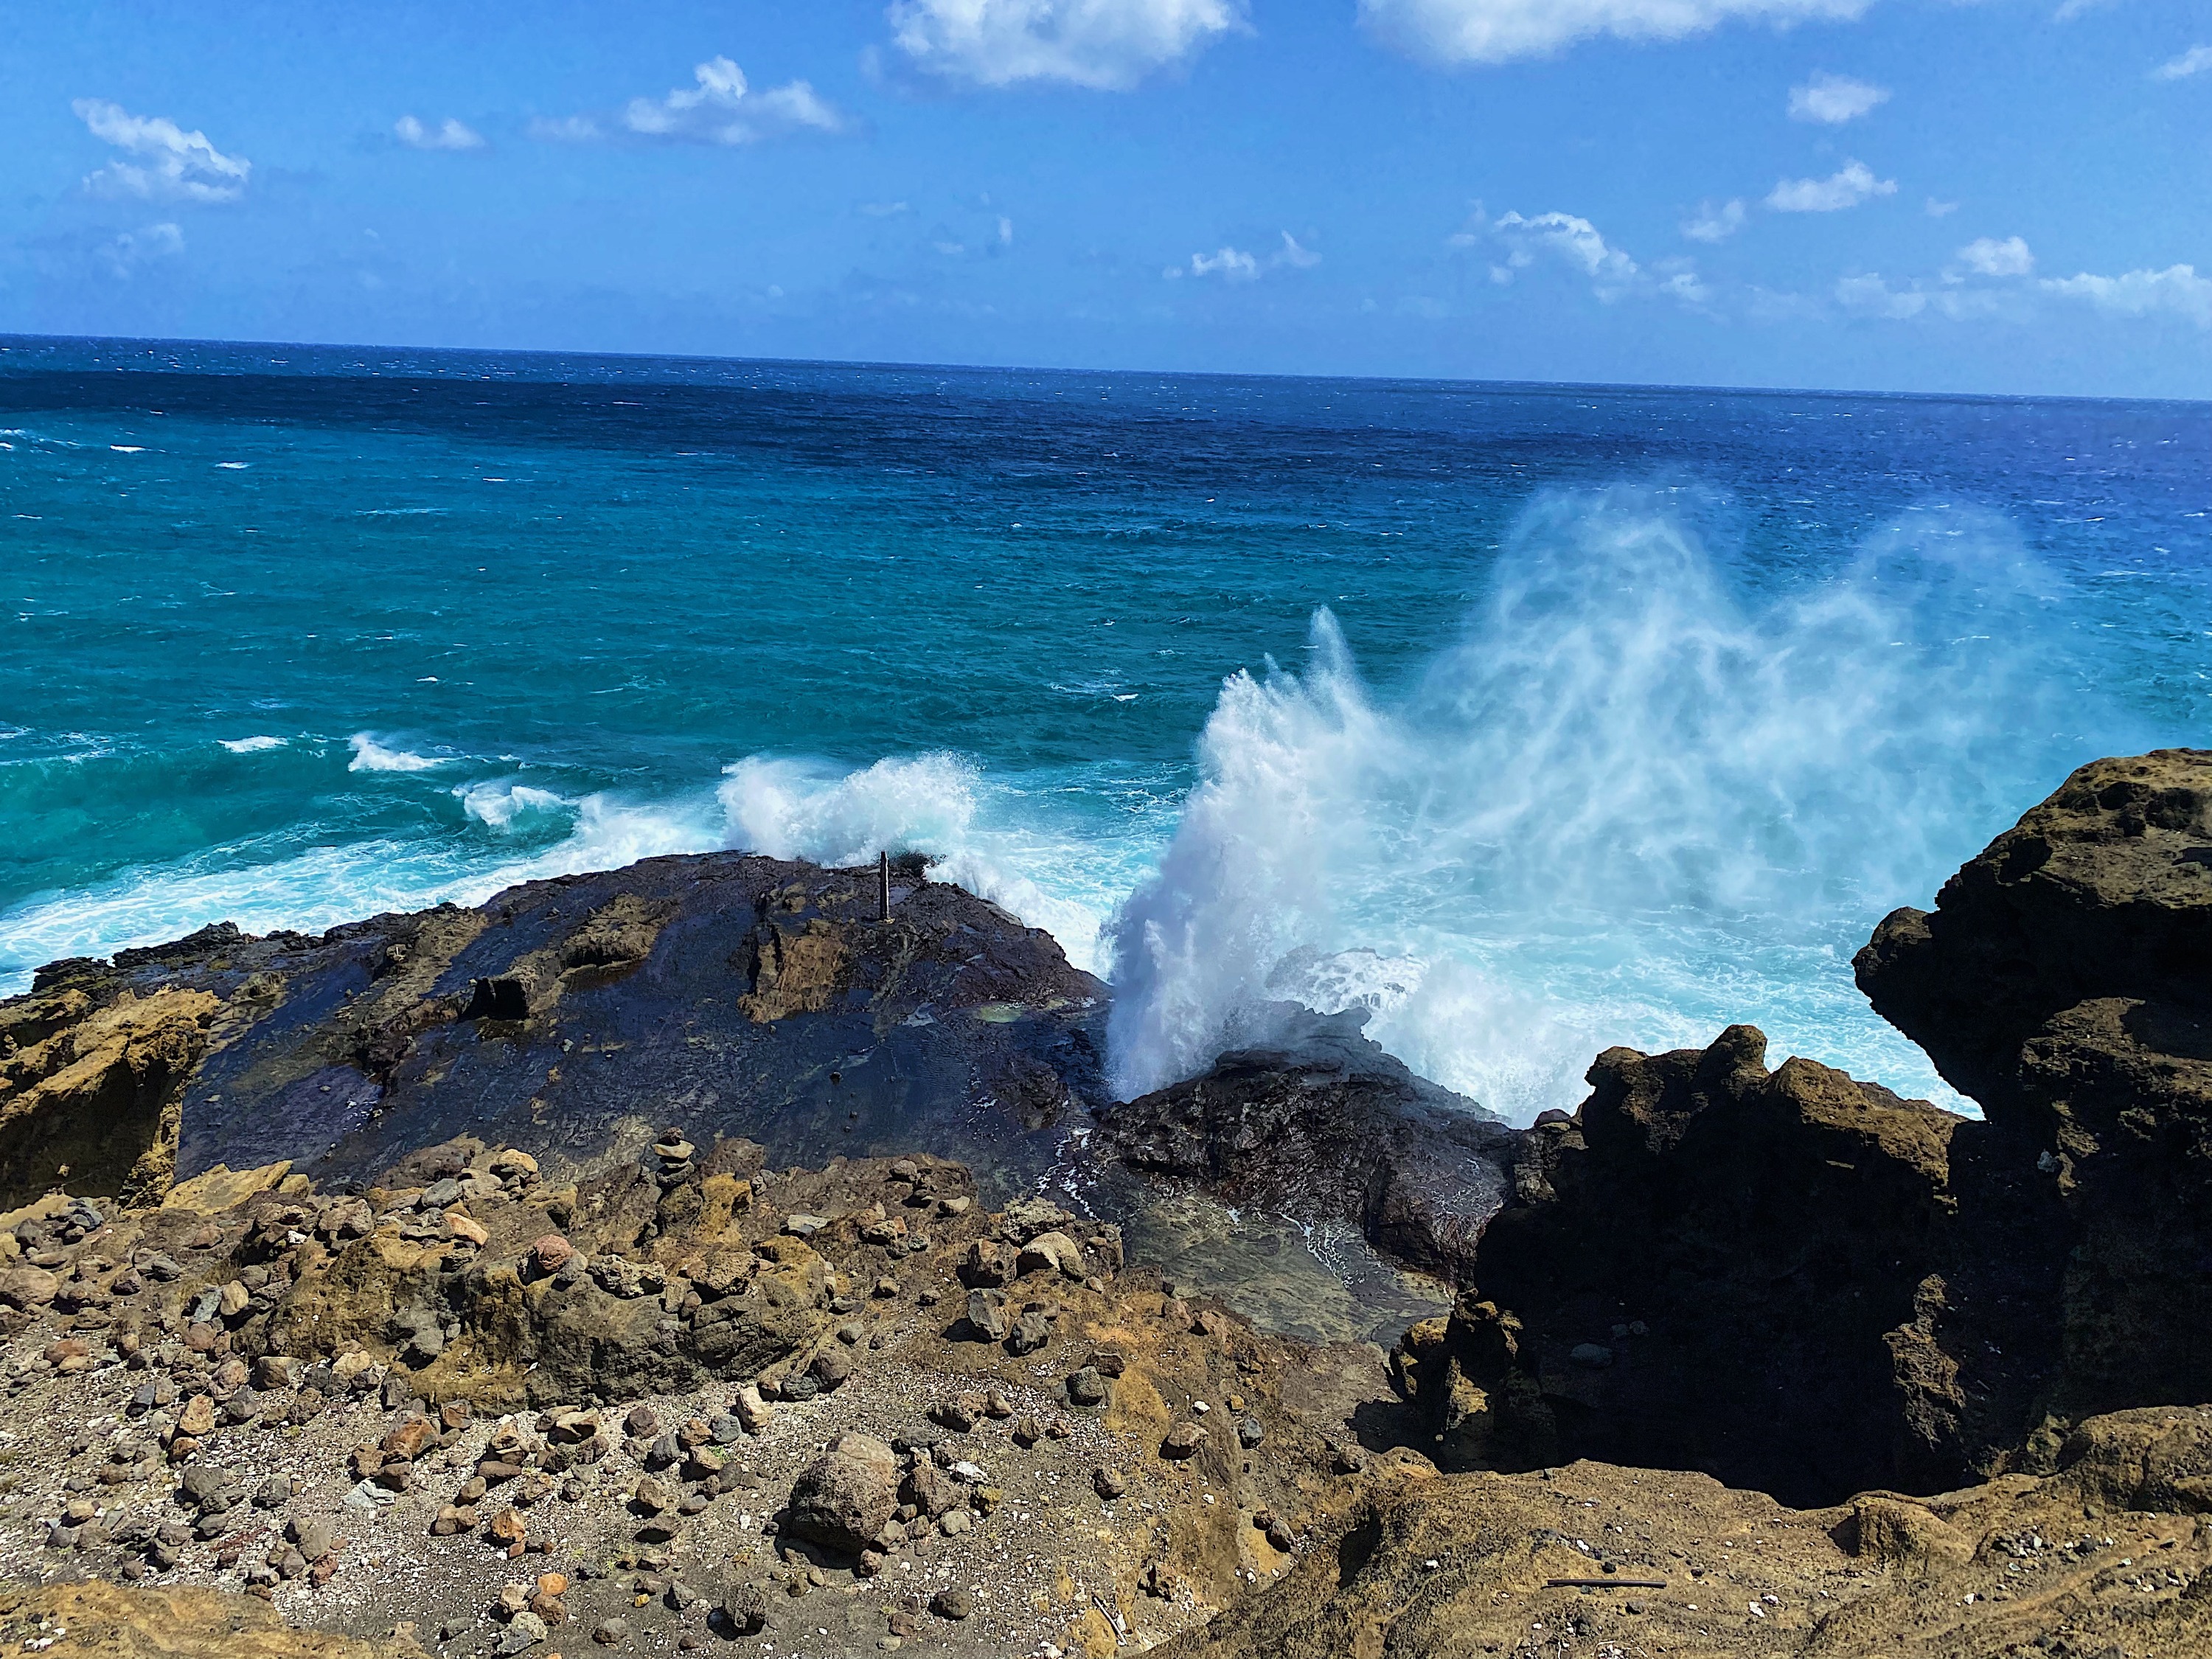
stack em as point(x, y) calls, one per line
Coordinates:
point(697, 1254)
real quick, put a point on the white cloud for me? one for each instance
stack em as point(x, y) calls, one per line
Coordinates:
point(1233, 266)
point(1108, 45)
point(1833, 100)
point(1855, 184)
point(1005, 231)
point(1941, 209)
point(2178, 290)
point(2195, 61)
point(176, 165)
point(884, 209)
point(721, 109)
point(124, 253)
point(1985, 256)
point(449, 134)
point(1228, 263)
point(1714, 224)
point(1498, 31)
point(1574, 239)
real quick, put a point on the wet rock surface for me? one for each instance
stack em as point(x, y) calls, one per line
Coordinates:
point(1323, 1122)
point(742, 995)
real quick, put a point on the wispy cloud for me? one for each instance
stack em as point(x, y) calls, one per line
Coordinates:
point(1853, 183)
point(1985, 256)
point(2177, 291)
point(1714, 224)
point(1450, 32)
point(1107, 44)
point(1833, 100)
point(125, 253)
point(2195, 61)
point(719, 108)
point(449, 134)
point(173, 165)
point(1233, 266)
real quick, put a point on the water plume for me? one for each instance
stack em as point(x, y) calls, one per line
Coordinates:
point(1646, 792)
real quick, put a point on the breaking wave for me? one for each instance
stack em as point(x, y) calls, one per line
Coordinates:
point(1641, 796)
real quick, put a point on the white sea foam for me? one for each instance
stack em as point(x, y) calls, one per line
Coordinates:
point(1631, 804)
point(936, 803)
point(250, 746)
point(508, 806)
point(370, 756)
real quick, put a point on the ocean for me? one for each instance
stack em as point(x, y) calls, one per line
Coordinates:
point(1532, 718)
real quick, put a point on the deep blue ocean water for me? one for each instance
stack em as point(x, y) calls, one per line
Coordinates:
point(1534, 719)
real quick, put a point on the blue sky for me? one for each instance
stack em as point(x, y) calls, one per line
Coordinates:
point(2008, 195)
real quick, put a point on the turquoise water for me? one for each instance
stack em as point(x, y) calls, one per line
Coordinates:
point(1602, 716)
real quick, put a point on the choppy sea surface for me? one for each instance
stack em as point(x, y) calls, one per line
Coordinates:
point(1533, 719)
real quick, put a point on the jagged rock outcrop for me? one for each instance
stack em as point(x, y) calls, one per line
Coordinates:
point(1804, 1284)
point(730, 994)
point(2064, 982)
point(91, 1085)
point(1323, 1122)
point(2110, 1554)
point(1700, 1270)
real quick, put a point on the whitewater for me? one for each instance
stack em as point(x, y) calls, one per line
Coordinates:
point(1529, 721)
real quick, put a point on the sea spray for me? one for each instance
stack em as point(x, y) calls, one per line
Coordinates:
point(1640, 797)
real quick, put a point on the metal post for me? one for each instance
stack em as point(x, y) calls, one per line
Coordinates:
point(884, 886)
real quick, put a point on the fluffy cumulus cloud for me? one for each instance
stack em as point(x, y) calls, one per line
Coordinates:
point(1108, 45)
point(720, 108)
point(1833, 100)
point(1853, 184)
point(1498, 31)
point(1714, 224)
point(448, 134)
point(2195, 61)
point(2177, 291)
point(1569, 238)
point(160, 161)
point(1986, 256)
point(1234, 265)
point(1520, 241)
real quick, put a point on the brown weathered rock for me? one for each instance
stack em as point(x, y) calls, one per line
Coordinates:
point(842, 1499)
point(2102, 1557)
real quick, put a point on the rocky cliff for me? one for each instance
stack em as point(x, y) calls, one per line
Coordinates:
point(2064, 982)
point(1802, 1283)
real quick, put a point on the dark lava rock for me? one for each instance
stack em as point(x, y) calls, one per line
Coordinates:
point(539, 1019)
point(1321, 1122)
point(1766, 1229)
point(1803, 1283)
point(2064, 982)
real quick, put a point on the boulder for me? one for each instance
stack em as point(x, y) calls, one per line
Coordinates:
point(842, 1499)
point(1322, 1123)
